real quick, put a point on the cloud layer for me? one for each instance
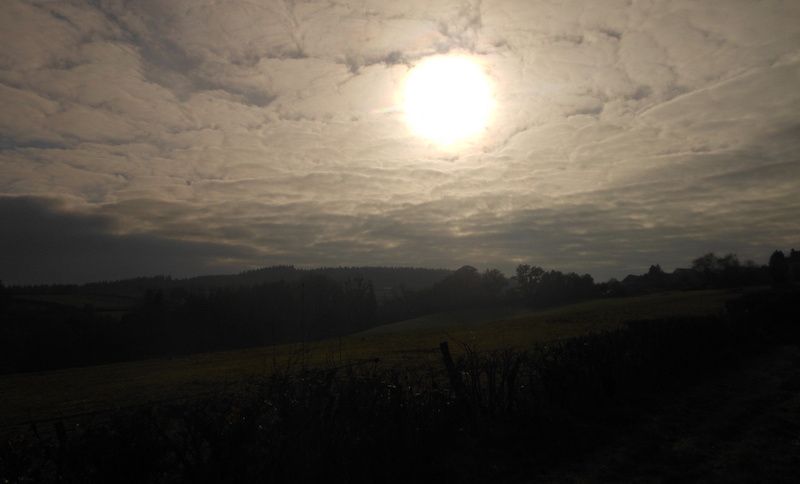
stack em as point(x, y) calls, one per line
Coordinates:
point(626, 133)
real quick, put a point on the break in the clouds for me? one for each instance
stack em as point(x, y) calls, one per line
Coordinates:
point(203, 135)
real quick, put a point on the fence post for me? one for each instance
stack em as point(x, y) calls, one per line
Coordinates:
point(455, 379)
point(457, 383)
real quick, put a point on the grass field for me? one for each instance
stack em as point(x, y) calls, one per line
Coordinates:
point(64, 393)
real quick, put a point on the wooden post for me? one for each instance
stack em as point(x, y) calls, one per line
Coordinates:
point(455, 379)
point(457, 383)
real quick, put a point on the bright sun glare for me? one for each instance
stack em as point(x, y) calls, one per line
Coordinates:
point(447, 99)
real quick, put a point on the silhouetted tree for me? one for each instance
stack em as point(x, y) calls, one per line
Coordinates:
point(528, 279)
point(360, 304)
point(778, 267)
point(723, 271)
point(707, 263)
point(656, 278)
point(462, 288)
point(543, 288)
point(493, 282)
point(794, 265)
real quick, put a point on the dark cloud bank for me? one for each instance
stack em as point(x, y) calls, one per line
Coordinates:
point(43, 243)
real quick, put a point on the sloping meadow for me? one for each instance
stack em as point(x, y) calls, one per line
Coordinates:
point(477, 417)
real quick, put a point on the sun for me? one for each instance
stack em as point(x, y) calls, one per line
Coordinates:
point(447, 99)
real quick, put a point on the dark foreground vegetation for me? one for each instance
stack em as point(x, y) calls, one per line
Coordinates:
point(485, 417)
point(50, 327)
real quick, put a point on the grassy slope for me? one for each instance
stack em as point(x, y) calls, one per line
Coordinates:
point(414, 342)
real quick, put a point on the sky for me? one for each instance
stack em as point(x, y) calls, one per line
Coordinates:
point(196, 136)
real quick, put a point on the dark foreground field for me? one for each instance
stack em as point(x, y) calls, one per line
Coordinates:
point(409, 344)
point(741, 425)
point(701, 397)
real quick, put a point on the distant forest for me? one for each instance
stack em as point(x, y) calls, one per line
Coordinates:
point(57, 326)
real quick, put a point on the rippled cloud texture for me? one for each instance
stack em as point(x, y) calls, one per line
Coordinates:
point(204, 136)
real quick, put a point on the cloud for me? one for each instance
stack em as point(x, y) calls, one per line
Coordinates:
point(624, 132)
point(44, 241)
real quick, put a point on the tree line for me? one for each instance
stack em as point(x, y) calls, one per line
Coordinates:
point(170, 318)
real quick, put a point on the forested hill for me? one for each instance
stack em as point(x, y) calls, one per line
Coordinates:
point(384, 280)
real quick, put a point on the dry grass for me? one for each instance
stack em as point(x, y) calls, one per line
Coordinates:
point(71, 391)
